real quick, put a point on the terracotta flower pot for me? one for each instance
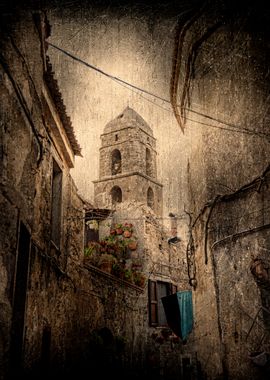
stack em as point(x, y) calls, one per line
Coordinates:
point(127, 233)
point(106, 266)
point(106, 262)
point(139, 281)
point(132, 245)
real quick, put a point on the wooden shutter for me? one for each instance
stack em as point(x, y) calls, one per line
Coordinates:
point(152, 302)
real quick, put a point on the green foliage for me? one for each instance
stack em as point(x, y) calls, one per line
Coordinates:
point(118, 226)
point(128, 274)
point(92, 224)
point(128, 227)
point(116, 247)
point(92, 248)
point(139, 278)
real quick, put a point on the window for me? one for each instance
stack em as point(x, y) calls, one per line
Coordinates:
point(116, 162)
point(56, 205)
point(156, 290)
point(150, 198)
point(148, 159)
point(20, 295)
point(91, 231)
point(116, 194)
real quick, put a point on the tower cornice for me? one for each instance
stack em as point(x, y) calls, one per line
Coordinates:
point(123, 175)
point(116, 143)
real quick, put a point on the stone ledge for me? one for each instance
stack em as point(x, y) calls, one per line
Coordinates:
point(123, 175)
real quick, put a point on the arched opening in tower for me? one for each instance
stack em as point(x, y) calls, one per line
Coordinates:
point(148, 160)
point(116, 162)
point(116, 194)
point(150, 198)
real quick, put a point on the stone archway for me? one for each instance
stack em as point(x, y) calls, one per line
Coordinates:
point(116, 195)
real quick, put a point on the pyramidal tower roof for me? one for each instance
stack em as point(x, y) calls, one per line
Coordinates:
point(128, 118)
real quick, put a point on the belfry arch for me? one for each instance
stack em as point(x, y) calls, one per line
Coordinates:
point(116, 162)
point(116, 195)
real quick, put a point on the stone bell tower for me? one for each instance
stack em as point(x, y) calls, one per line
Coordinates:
point(128, 169)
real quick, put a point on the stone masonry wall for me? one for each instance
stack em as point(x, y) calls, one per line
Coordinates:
point(132, 147)
point(128, 185)
point(26, 190)
point(161, 261)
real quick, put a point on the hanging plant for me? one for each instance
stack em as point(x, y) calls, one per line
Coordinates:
point(106, 262)
point(127, 230)
point(139, 278)
point(91, 253)
point(128, 274)
point(92, 224)
point(119, 228)
point(132, 244)
point(118, 269)
point(127, 233)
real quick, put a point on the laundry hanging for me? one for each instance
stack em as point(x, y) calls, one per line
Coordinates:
point(179, 312)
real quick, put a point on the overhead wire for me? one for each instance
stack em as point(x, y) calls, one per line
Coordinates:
point(232, 129)
point(138, 90)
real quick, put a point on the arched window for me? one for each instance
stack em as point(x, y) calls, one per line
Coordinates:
point(150, 197)
point(116, 194)
point(116, 162)
point(148, 160)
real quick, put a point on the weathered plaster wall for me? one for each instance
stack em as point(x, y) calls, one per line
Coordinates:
point(19, 159)
point(230, 84)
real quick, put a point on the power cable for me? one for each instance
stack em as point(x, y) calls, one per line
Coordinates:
point(233, 128)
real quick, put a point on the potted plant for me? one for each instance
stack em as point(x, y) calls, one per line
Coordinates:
point(119, 228)
point(128, 274)
point(137, 265)
point(118, 269)
point(132, 244)
point(91, 252)
point(92, 224)
point(139, 278)
point(106, 262)
point(127, 230)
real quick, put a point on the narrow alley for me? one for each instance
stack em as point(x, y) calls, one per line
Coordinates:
point(134, 234)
